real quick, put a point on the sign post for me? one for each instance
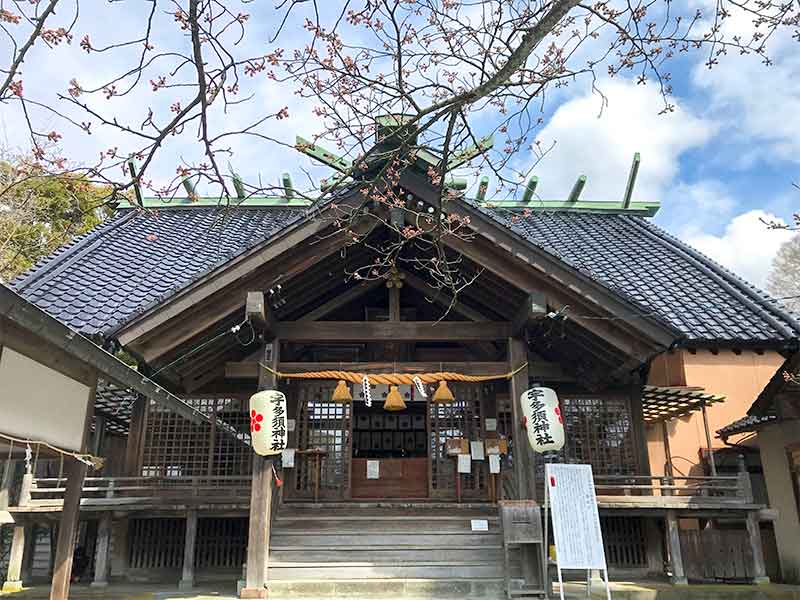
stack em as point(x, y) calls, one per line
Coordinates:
point(570, 496)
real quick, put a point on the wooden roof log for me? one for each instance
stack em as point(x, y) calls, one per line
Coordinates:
point(463, 157)
point(642, 209)
point(533, 309)
point(137, 190)
point(626, 201)
point(189, 187)
point(575, 194)
point(286, 182)
point(530, 189)
point(322, 155)
point(483, 187)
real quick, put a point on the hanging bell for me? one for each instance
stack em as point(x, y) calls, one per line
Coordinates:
point(443, 393)
point(394, 401)
point(342, 393)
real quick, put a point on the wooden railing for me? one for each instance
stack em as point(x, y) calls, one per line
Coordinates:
point(121, 491)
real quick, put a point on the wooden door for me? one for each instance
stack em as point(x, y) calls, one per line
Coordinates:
point(327, 425)
point(462, 418)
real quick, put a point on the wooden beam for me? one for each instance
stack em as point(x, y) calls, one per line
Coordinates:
point(533, 309)
point(442, 298)
point(261, 499)
point(394, 303)
point(524, 459)
point(190, 542)
point(67, 530)
point(259, 313)
point(102, 553)
point(405, 331)
point(342, 299)
point(250, 369)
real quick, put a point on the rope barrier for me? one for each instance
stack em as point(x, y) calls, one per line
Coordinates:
point(393, 378)
point(95, 462)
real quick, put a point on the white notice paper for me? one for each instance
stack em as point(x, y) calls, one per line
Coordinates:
point(373, 469)
point(490, 424)
point(464, 463)
point(576, 522)
point(287, 458)
point(290, 424)
point(494, 463)
point(476, 449)
point(479, 524)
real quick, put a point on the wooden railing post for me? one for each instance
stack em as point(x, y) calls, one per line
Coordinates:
point(102, 551)
point(754, 535)
point(745, 491)
point(187, 578)
point(13, 582)
point(674, 544)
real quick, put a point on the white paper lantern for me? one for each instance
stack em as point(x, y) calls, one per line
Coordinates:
point(543, 419)
point(268, 422)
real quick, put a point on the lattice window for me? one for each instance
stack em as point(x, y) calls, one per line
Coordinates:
point(156, 543)
point(599, 433)
point(462, 418)
point(176, 447)
point(326, 425)
point(625, 542)
point(221, 543)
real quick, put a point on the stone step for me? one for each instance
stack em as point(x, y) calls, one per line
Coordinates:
point(372, 526)
point(388, 589)
point(385, 514)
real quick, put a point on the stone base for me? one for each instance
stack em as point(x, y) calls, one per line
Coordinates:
point(99, 584)
point(12, 586)
point(249, 593)
point(185, 585)
point(679, 581)
point(761, 580)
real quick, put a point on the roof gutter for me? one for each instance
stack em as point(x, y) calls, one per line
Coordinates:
point(34, 320)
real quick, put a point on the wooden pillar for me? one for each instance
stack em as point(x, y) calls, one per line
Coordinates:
point(7, 482)
point(67, 530)
point(20, 541)
point(668, 471)
point(524, 460)
point(260, 499)
point(674, 544)
point(709, 447)
point(754, 535)
point(187, 579)
point(136, 433)
point(102, 562)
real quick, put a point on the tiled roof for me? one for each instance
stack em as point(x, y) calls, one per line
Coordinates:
point(136, 259)
point(745, 425)
point(657, 272)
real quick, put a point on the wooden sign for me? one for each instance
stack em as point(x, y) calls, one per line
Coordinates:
point(456, 446)
point(268, 430)
point(496, 446)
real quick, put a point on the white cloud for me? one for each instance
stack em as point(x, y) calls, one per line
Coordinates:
point(758, 103)
point(746, 247)
point(602, 146)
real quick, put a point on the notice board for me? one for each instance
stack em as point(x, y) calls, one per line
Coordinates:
point(576, 522)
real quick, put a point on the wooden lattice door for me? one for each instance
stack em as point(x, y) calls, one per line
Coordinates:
point(326, 425)
point(462, 418)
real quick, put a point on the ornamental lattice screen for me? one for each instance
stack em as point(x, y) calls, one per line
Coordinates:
point(463, 418)
point(176, 447)
point(326, 425)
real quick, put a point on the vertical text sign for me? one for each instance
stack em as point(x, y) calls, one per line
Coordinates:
point(576, 522)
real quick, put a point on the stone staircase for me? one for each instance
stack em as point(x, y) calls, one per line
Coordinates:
point(385, 550)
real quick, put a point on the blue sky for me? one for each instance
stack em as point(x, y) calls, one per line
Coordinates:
point(724, 160)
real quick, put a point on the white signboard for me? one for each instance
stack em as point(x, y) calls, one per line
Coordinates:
point(476, 450)
point(576, 522)
point(494, 463)
point(464, 463)
point(287, 460)
point(479, 525)
point(373, 469)
point(40, 403)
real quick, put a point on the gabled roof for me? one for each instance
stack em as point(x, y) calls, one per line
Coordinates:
point(668, 279)
point(132, 262)
point(137, 259)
